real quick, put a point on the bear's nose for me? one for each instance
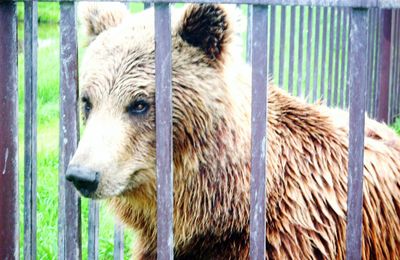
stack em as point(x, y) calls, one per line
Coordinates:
point(84, 179)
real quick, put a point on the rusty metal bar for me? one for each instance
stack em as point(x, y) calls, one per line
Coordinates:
point(93, 232)
point(316, 52)
point(357, 83)
point(69, 220)
point(30, 170)
point(9, 215)
point(291, 47)
point(324, 52)
point(164, 132)
point(259, 63)
point(309, 47)
point(282, 49)
point(384, 68)
point(300, 54)
point(118, 242)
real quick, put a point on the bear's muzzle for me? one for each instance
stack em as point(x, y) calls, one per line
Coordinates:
point(84, 179)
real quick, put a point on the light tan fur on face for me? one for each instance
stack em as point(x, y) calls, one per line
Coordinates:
point(307, 151)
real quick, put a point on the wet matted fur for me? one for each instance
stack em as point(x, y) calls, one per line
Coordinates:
point(307, 147)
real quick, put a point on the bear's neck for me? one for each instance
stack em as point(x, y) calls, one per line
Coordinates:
point(212, 175)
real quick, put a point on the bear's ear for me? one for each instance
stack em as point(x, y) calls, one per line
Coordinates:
point(206, 26)
point(98, 17)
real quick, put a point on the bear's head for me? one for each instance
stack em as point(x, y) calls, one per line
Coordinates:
point(117, 151)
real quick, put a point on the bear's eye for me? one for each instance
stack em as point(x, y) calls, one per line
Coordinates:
point(87, 106)
point(138, 107)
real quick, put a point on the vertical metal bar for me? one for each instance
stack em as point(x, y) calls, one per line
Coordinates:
point(249, 28)
point(258, 132)
point(392, 66)
point(369, 62)
point(384, 68)
point(370, 51)
point(147, 5)
point(118, 242)
point(343, 43)
point(324, 47)
point(164, 132)
point(9, 215)
point(30, 173)
point(282, 49)
point(271, 53)
point(93, 232)
point(347, 70)
point(330, 67)
point(316, 52)
point(396, 76)
point(69, 221)
point(291, 47)
point(374, 50)
point(357, 83)
point(301, 50)
point(397, 71)
point(376, 60)
point(337, 51)
point(309, 47)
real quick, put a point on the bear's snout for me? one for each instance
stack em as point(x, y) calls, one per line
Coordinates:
point(84, 179)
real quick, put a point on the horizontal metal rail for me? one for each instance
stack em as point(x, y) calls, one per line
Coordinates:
point(336, 3)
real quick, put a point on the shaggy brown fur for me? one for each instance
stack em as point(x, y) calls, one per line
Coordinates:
point(307, 150)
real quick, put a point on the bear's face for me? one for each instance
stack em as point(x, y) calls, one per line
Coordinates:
point(117, 152)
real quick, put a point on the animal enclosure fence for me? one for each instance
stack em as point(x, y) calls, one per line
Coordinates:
point(345, 52)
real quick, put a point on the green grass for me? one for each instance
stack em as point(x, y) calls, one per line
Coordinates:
point(48, 143)
point(47, 12)
point(48, 128)
point(396, 125)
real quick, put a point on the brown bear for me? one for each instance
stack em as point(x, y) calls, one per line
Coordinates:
point(307, 147)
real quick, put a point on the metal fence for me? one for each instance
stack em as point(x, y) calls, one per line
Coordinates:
point(345, 52)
